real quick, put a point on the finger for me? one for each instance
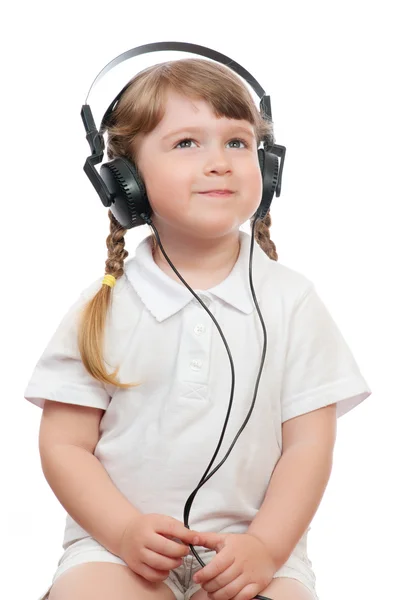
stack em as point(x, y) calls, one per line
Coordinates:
point(160, 562)
point(218, 565)
point(211, 540)
point(234, 588)
point(151, 574)
point(167, 547)
point(223, 579)
point(175, 529)
point(251, 590)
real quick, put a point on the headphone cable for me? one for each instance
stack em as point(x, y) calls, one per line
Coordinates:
point(206, 477)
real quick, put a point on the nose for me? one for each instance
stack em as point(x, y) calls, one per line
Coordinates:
point(217, 161)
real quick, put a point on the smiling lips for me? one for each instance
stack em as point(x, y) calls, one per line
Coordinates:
point(217, 193)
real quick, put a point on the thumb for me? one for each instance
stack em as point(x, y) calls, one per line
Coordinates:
point(211, 540)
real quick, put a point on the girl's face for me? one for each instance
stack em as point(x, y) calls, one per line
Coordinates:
point(191, 152)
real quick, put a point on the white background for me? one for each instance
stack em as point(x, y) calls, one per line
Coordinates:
point(333, 73)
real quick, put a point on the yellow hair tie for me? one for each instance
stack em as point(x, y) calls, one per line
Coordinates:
point(109, 280)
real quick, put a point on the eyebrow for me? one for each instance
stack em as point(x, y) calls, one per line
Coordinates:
point(200, 129)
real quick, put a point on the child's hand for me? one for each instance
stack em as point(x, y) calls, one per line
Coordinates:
point(147, 546)
point(242, 568)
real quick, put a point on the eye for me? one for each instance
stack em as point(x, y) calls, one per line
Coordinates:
point(241, 141)
point(179, 144)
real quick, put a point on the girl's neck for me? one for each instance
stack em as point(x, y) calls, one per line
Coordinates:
point(203, 264)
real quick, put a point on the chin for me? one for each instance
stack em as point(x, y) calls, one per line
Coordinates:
point(214, 228)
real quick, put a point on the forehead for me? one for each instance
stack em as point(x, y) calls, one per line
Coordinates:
point(182, 111)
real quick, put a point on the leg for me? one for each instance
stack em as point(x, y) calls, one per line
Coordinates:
point(280, 588)
point(102, 581)
point(286, 588)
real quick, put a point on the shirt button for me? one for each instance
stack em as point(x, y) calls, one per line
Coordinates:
point(196, 365)
point(199, 329)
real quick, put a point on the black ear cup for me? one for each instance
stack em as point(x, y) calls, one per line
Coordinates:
point(269, 165)
point(130, 197)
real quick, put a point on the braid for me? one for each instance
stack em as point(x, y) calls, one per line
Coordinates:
point(93, 317)
point(263, 238)
point(115, 244)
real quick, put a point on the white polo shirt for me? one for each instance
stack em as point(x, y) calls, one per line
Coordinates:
point(157, 439)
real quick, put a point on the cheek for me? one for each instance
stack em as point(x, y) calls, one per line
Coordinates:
point(249, 170)
point(168, 191)
point(254, 185)
point(159, 183)
point(257, 181)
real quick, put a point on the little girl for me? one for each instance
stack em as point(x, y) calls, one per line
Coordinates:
point(123, 453)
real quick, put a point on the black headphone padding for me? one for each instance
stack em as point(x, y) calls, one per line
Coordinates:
point(130, 198)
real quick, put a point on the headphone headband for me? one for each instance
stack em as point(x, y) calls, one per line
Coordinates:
point(265, 104)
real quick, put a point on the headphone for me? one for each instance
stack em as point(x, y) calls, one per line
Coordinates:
point(121, 188)
point(119, 184)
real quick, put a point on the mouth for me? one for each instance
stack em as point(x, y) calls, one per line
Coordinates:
point(217, 193)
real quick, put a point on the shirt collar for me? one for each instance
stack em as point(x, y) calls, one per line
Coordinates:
point(163, 296)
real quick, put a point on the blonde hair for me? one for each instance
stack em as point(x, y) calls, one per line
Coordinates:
point(139, 111)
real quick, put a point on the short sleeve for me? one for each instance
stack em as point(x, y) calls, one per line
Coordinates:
point(60, 374)
point(319, 367)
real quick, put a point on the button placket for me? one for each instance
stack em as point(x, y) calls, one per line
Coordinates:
point(195, 346)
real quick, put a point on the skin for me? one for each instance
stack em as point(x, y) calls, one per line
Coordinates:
point(200, 233)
